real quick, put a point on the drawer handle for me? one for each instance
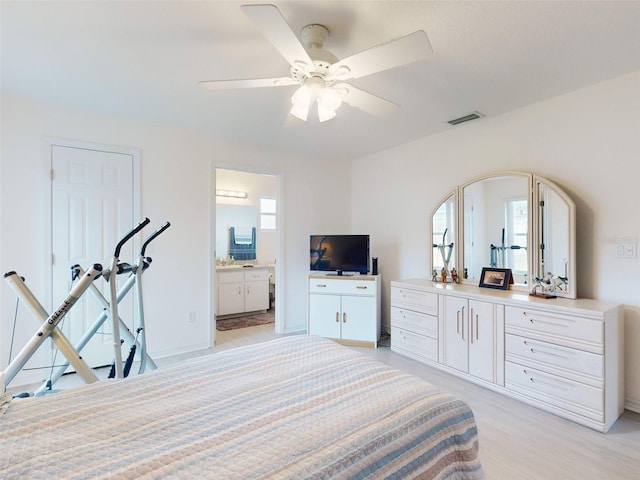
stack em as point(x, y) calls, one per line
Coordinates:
point(321, 285)
point(338, 317)
point(557, 384)
point(344, 317)
point(361, 287)
point(560, 322)
point(545, 350)
point(410, 295)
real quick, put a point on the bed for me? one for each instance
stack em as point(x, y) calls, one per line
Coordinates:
point(295, 407)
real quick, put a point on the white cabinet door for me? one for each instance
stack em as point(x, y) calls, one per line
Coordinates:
point(482, 340)
point(456, 333)
point(469, 332)
point(256, 296)
point(358, 318)
point(230, 298)
point(324, 315)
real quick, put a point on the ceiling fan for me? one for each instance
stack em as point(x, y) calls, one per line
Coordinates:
point(319, 75)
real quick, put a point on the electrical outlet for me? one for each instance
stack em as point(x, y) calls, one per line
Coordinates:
point(631, 250)
point(627, 250)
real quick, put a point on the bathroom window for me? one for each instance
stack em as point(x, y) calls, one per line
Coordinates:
point(268, 213)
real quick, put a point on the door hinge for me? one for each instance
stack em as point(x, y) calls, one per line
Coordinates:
point(53, 259)
point(52, 173)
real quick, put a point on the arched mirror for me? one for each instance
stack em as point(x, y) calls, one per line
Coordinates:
point(496, 225)
point(554, 261)
point(511, 220)
point(443, 233)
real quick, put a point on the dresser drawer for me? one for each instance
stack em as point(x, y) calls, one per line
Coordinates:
point(414, 321)
point(557, 391)
point(556, 328)
point(573, 363)
point(424, 302)
point(232, 276)
point(255, 275)
point(414, 345)
point(349, 286)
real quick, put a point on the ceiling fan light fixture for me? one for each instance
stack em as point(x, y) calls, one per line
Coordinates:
point(301, 101)
point(300, 111)
point(330, 98)
point(325, 113)
point(302, 96)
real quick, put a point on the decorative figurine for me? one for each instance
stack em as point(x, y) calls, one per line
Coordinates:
point(434, 275)
point(443, 274)
point(454, 275)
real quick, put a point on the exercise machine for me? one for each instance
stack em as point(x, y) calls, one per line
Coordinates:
point(85, 282)
point(124, 333)
point(135, 271)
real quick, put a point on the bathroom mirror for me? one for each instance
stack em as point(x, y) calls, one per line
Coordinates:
point(243, 219)
point(512, 220)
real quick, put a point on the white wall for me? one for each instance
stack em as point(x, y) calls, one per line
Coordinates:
point(588, 142)
point(176, 168)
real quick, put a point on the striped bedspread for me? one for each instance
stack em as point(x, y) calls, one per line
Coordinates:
point(296, 407)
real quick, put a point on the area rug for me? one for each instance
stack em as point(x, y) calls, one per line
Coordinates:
point(245, 321)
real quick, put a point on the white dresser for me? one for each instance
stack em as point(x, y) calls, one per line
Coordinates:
point(345, 308)
point(564, 356)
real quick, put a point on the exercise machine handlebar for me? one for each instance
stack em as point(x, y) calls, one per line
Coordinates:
point(144, 261)
point(152, 237)
point(126, 238)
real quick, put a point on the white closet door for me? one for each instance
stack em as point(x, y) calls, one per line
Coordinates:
point(92, 208)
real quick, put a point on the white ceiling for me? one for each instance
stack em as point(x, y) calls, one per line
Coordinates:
point(143, 59)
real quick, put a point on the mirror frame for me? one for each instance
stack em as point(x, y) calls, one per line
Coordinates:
point(534, 240)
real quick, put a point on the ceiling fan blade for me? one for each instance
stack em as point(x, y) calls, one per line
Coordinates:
point(273, 26)
point(249, 83)
point(365, 101)
point(408, 49)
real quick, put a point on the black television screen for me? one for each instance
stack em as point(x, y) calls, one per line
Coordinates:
point(340, 253)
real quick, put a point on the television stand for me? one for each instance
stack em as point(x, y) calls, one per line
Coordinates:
point(345, 307)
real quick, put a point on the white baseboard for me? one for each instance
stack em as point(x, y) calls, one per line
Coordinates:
point(632, 405)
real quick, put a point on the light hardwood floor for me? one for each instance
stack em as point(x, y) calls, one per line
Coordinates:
point(516, 441)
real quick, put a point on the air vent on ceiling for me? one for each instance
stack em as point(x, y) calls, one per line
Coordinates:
point(466, 118)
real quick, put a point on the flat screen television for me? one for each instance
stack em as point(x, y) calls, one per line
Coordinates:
point(340, 253)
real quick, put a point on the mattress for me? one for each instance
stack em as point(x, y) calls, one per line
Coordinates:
point(299, 407)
